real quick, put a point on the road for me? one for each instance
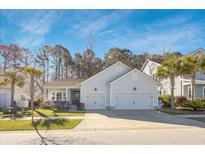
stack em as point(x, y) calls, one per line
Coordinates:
point(136, 137)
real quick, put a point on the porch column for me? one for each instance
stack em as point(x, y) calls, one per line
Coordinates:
point(68, 95)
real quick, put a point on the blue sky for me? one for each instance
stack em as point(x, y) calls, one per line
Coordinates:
point(137, 30)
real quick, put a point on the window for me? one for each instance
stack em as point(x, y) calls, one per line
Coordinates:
point(189, 92)
point(59, 95)
point(64, 96)
point(53, 96)
point(23, 98)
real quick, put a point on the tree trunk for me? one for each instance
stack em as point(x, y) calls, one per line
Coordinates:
point(32, 95)
point(172, 83)
point(12, 92)
point(47, 72)
point(193, 78)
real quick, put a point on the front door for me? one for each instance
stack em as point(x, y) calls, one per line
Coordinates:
point(75, 97)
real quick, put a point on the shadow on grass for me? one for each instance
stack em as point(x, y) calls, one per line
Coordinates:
point(13, 116)
point(41, 114)
point(49, 122)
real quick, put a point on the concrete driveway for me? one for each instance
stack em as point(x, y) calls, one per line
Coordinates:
point(134, 120)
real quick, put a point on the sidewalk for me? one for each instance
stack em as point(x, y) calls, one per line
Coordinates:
point(192, 115)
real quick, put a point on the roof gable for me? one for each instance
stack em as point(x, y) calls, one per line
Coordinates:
point(199, 51)
point(142, 73)
point(146, 62)
point(103, 71)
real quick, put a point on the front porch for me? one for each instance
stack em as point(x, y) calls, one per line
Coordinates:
point(63, 91)
point(70, 96)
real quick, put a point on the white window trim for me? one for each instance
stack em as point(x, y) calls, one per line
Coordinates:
point(203, 93)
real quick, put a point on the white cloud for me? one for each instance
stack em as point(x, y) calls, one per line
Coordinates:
point(156, 36)
point(33, 24)
point(94, 22)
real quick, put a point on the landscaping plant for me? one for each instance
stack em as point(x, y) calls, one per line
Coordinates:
point(196, 104)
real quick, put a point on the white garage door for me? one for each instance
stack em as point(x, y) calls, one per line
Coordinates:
point(95, 101)
point(3, 100)
point(134, 101)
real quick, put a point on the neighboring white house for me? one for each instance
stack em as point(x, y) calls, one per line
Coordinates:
point(182, 83)
point(19, 97)
point(116, 87)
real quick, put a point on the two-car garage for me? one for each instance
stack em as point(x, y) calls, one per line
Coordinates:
point(120, 89)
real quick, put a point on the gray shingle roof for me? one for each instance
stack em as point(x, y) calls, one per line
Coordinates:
point(64, 82)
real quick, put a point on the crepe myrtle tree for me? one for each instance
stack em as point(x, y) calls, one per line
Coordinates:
point(190, 66)
point(170, 69)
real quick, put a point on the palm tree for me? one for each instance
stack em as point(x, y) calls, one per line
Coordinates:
point(32, 73)
point(170, 69)
point(191, 65)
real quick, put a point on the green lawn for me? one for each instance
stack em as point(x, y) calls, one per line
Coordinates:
point(182, 112)
point(198, 119)
point(43, 113)
point(12, 125)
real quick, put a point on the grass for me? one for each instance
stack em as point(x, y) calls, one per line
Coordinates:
point(14, 125)
point(43, 113)
point(198, 119)
point(182, 112)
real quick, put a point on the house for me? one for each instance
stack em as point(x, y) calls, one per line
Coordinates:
point(20, 96)
point(182, 83)
point(116, 87)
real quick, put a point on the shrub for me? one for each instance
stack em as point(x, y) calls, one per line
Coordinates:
point(46, 105)
point(180, 100)
point(166, 100)
point(196, 104)
point(9, 110)
point(80, 106)
point(38, 102)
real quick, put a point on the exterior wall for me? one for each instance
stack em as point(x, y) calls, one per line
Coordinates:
point(21, 97)
point(101, 80)
point(134, 79)
point(8, 94)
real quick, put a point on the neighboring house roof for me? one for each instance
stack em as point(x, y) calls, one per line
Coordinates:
point(64, 82)
point(147, 61)
point(149, 77)
point(99, 73)
point(198, 51)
